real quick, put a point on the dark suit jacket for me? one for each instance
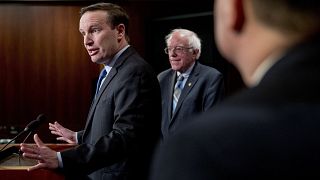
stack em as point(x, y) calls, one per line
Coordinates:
point(271, 131)
point(123, 124)
point(203, 89)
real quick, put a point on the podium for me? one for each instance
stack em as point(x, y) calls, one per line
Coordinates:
point(14, 167)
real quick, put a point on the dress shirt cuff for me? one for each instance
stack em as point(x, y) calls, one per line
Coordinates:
point(59, 160)
point(77, 142)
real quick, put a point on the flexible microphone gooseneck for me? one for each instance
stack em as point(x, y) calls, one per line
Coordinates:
point(33, 125)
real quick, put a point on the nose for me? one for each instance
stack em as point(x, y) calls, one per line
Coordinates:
point(87, 40)
point(172, 53)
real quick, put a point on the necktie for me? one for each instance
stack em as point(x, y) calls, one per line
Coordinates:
point(102, 75)
point(177, 91)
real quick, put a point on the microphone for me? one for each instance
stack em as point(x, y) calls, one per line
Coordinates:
point(33, 125)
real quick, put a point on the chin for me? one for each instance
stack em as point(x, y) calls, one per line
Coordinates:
point(176, 68)
point(96, 60)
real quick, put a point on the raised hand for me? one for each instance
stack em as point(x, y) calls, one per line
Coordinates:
point(64, 134)
point(47, 158)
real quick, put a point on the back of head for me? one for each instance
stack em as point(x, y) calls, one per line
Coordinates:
point(295, 17)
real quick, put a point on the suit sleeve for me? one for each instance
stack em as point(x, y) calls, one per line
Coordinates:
point(214, 92)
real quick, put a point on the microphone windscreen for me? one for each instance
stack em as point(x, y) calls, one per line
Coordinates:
point(41, 117)
point(35, 123)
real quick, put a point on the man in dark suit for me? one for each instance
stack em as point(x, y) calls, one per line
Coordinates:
point(272, 129)
point(123, 123)
point(200, 89)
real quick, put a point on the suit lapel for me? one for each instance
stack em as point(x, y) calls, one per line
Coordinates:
point(192, 80)
point(105, 84)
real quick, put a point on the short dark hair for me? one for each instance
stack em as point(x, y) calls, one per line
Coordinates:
point(115, 15)
point(289, 16)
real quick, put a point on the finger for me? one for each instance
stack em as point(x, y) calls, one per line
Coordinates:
point(60, 138)
point(56, 133)
point(51, 126)
point(37, 140)
point(28, 149)
point(25, 145)
point(32, 156)
point(53, 129)
point(57, 125)
point(38, 166)
point(63, 139)
point(54, 125)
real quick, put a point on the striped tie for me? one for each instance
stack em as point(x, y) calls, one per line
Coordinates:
point(177, 91)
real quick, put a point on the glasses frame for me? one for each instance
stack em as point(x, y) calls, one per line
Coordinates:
point(177, 49)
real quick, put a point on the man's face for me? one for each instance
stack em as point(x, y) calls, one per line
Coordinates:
point(181, 56)
point(99, 38)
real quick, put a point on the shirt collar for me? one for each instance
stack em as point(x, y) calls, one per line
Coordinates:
point(262, 69)
point(111, 63)
point(187, 72)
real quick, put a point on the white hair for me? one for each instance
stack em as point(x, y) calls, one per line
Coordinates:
point(193, 39)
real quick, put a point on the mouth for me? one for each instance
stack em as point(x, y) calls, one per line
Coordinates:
point(174, 60)
point(93, 52)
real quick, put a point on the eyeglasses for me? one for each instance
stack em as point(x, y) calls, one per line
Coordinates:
point(177, 49)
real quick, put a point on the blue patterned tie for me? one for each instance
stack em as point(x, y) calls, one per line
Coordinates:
point(102, 75)
point(177, 91)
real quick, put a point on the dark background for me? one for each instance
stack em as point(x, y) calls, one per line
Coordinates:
point(44, 67)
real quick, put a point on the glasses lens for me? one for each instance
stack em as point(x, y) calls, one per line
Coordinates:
point(177, 49)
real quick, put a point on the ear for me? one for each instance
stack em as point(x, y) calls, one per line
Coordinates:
point(121, 30)
point(195, 52)
point(239, 15)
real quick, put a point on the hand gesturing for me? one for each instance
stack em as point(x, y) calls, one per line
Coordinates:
point(47, 158)
point(64, 134)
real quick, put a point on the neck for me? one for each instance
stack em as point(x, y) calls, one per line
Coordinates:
point(123, 43)
point(263, 43)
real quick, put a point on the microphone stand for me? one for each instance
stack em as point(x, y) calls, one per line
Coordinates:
point(29, 128)
point(19, 152)
point(4, 153)
point(18, 135)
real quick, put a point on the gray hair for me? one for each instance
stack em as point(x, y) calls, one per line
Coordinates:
point(193, 39)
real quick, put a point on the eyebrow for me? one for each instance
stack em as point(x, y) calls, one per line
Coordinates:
point(96, 25)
